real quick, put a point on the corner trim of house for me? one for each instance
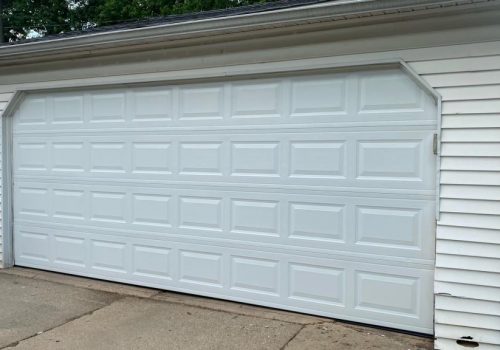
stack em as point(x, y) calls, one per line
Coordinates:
point(7, 184)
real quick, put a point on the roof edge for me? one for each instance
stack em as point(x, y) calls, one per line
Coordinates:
point(285, 17)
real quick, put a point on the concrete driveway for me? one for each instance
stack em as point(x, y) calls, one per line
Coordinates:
point(43, 310)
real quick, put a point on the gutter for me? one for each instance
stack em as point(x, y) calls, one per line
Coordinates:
point(192, 29)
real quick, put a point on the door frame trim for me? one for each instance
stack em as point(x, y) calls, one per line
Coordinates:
point(7, 179)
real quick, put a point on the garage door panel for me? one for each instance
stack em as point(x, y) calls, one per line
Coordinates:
point(69, 251)
point(69, 204)
point(32, 156)
point(255, 275)
point(153, 262)
point(152, 209)
point(106, 106)
point(32, 247)
point(382, 160)
point(355, 97)
point(67, 109)
point(303, 279)
point(392, 227)
point(255, 217)
point(151, 105)
point(312, 193)
point(33, 112)
point(393, 293)
point(257, 100)
point(67, 156)
point(323, 285)
point(109, 255)
point(390, 93)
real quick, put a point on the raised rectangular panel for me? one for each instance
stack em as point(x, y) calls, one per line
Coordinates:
point(108, 207)
point(33, 246)
point(68, 156)
point(386, 293)
point(108, 157)
point(107, 107)
point(68, 204)
point(109, 256)
point(32, 201)
point(69, 251)
point(256, 100)
point(31, 156)
point(152, 262)
point(318, 97)
point(200, 213)
point(396, 227)
point(390, 160)
point(317, 159)
point(201, 268)
point(255, 275)
point(255, 217)
point(152, 105)
point(200, 158)
point(317, 284)
point(68, 109)
point(201, 103)
point(152, 157)
point(255, 158)
point(321, 222)
point(389, 93)
point(148, 209)
point(32, 111)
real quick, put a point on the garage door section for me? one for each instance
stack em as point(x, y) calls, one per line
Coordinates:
point(309, 193)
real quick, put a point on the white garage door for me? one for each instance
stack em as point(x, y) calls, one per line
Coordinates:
point(308, 193)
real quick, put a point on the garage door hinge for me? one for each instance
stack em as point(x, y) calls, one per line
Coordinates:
point(435, 144)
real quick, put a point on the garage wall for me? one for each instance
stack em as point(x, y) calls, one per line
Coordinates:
point(4, 99)
point(467, 283)
point(467, 280)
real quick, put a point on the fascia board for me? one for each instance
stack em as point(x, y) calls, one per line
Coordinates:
point(330, 11)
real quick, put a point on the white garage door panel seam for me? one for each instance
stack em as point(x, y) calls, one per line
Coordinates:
point(312, 193)
point(241, 187)
point(282, 226)
point(263, 246)
point(222, 153)
point(396, 125)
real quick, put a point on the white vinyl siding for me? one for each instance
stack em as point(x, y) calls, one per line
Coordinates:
point(467, 277)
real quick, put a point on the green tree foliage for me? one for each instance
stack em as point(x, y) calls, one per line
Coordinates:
point(44, 16)
point(31, 18)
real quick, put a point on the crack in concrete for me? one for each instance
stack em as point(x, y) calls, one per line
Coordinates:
point(40, 277)
point(236, 312)
point(111, 284)
point(293, 337)
point(17, 342)
point(157, 292)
